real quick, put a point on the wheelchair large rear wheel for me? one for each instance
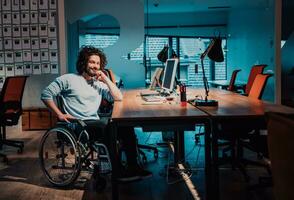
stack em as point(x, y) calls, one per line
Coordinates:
point(59, 156)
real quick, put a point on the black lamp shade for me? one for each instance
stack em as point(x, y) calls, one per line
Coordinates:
point(163, 54)
point(216, 52)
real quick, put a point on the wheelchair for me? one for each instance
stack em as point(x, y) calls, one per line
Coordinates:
point(66, 149)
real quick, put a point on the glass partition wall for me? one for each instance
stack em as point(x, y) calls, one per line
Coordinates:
point(188, 49)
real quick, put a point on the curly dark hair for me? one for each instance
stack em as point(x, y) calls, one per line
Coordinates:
point(84, 55)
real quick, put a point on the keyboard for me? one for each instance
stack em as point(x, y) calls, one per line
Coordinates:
point(149, 93)
point(152, 98)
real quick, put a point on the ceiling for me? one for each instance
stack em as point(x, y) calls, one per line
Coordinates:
point(184, 6)
point(164, 6)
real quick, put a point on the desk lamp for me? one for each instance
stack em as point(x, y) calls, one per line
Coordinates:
point(215, 53)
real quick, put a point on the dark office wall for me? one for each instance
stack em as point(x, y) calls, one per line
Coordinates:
point(287, 53)
point(251, 34)
point(287, 18)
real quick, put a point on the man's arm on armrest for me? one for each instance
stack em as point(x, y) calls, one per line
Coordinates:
point(53, 107)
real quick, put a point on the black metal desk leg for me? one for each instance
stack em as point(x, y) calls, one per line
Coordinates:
point(208, 177)
point(179, 147)
point(215, 170)
point(114, 160)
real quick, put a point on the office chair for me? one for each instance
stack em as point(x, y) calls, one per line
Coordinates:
point(243, 139)
point(280, 143)
point(105, 109)
point(111, 76)
point(11, 109)
point(142, 147)
point(258, 86)
point(231, 86)
point(256, 69)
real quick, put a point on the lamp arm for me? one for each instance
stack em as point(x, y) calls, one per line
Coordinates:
point(207, 50)
point(206, 86)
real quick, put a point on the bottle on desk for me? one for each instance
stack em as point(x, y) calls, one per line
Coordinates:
point(183, 94)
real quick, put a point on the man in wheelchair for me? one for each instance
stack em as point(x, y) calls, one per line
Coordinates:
point(82, 93)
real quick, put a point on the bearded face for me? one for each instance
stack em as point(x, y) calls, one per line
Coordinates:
point(93, 65)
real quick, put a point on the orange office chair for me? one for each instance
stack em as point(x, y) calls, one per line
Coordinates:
point(258, 86)
point(106, 109)
point(231, 86)
point(280, 143)
point(243, 139)
point(111, 76)
point(11, 109)
point(256, 69)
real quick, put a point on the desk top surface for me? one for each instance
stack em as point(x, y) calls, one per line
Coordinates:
point(226, 83)
point(133, 108)
point(235, 105)
point(231, 105)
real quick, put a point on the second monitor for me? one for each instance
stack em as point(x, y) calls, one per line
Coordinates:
point(168, 81)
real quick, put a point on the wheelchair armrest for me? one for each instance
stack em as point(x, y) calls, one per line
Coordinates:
point(82, 123)
point(78, 121)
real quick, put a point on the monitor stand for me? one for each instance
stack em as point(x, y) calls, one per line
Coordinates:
point(164, 93)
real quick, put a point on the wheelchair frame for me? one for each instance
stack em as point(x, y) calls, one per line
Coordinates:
point(73, 149)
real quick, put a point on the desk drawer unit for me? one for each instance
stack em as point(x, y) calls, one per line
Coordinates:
point(37, 119)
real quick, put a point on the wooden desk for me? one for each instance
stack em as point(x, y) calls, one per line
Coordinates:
point(235, 109)
point(166, 116)
point(223, 84)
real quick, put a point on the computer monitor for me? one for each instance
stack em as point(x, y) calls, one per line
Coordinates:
point(156, 78)
point(168, 81)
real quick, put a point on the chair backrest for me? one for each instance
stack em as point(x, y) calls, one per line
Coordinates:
point(155, 80)
point(11, 99)
point(280, 143)
point(256, 69)
point(233, 79)
point(110, 75)
point(258, 86)
point(105, 108)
